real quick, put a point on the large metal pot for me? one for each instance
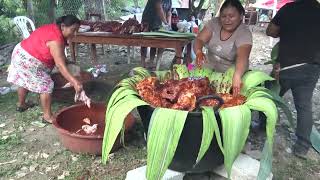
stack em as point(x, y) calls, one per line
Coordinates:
point(190, 141)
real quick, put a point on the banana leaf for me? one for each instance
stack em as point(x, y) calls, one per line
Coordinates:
point(252, 79)
point(235, 129)
point(210, 125)
point(163, 138)
point(269, 108)
point(118, 111)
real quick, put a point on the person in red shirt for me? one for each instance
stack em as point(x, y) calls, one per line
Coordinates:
point(33, 59)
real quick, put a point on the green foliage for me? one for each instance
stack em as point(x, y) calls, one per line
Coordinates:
point(8, 10)
point(113, 9)
point(7, 32)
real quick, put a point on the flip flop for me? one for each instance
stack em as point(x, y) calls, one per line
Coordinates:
point(28, 105)
point(45, 121)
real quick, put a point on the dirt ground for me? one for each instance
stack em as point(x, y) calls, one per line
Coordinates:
point(31, 152)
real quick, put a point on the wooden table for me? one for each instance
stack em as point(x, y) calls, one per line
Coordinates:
point(129, 40)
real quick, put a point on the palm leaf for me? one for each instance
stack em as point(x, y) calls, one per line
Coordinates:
point(235, 129)
point(181, 70)
point(140, 71)
point(264, 92)
point(315, 138)
point(226, 83)
point(115, 117)
point(118, 94)
point(268, 107)
point(162, 75)
point(163, 138)
point(200, 72)
point(253, 78)
point(208, 118)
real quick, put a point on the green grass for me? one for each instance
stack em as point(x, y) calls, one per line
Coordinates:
point(296, 168)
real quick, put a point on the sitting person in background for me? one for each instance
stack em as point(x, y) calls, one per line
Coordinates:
point(156, 14)
point(34, 58)
point(229, 42)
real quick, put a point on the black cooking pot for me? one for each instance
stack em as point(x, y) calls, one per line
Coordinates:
point(190, 141)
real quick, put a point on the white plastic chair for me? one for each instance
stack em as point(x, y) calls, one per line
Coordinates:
point(22, 25)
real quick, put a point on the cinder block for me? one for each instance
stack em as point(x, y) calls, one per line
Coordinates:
point(140, 173)
point(244, 168)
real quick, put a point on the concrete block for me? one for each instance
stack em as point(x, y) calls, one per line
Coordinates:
point(139, 174)
point(244, 168)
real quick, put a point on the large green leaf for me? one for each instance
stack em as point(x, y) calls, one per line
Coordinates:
point(181, 70)
point(268, 107)
point(235, 129)
point(140, 71)
point(264, 92)
point(118, 94)
point(163, 138)
point(315, 138)
point(162, 75)
point(200, 72)
point(226, 83)
point(253, 78)
point(208, 128)
point(215, 79)
point(115, 117)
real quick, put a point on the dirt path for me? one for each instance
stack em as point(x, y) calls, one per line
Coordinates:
point(30, 152)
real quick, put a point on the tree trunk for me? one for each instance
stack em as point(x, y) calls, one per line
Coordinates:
point(30, 10)
point(51, 12)
point(136, 4)
point(194, 11)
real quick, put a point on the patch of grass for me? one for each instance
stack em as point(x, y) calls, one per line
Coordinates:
point(9, 170)
point(77, 168)
point(12, 141)
point(297, 169)
point(8, 104)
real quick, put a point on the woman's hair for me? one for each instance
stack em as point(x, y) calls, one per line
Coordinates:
point(67, 20)
point(233, 3)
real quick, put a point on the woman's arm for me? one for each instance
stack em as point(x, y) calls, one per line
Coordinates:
point(57, 52)
point(169, 15)
point(242, 65)
point(203, 37)
point(160, 12)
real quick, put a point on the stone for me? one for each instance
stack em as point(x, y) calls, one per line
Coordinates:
point(244, 168)
point(139, 174)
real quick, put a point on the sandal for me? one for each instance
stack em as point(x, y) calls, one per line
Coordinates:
point(28, 105)
point(43, 120)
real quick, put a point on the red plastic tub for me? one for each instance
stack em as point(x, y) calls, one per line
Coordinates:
point(70, 119)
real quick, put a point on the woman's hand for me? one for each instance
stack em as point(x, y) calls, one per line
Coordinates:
point(78, 86)
point(200, 58)
point(236, 84)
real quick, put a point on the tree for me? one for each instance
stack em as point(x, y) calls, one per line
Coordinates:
point(193, 10)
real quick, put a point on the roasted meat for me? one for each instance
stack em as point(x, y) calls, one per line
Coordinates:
point(182, 94)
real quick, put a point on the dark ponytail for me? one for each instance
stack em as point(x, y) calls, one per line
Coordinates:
point(67, 20)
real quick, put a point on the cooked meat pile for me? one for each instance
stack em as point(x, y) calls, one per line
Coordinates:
point(182, 94)
point(128, 27)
